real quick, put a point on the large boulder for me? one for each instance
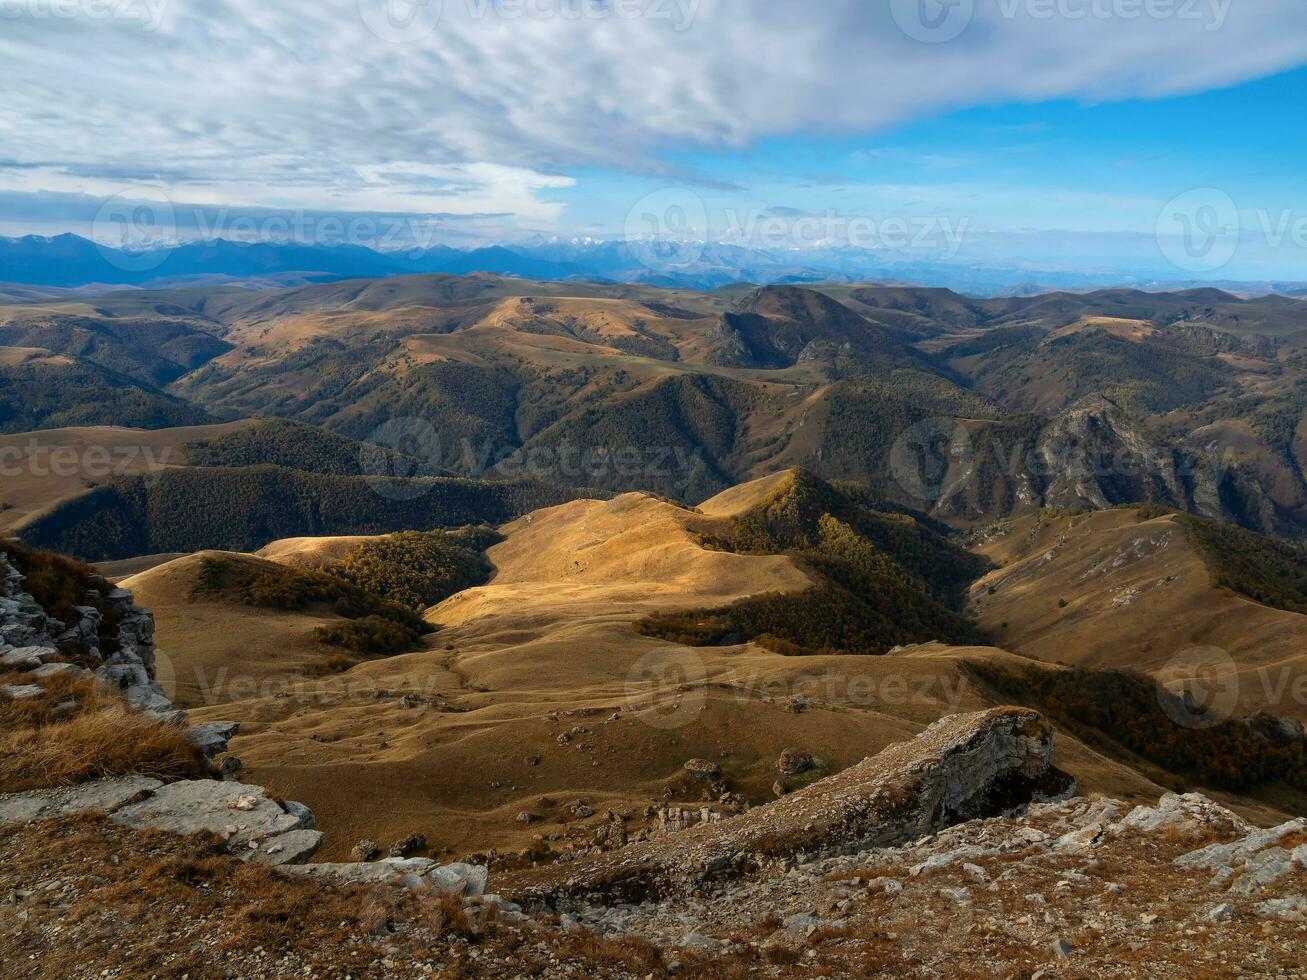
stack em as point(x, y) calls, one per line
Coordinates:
point(703, 769)
point(795, 761)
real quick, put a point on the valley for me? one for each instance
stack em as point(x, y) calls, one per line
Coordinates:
point(653, 490)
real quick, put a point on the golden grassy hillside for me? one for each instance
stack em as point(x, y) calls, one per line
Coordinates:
point(216, 649)
point(313, 553)
point(1111, 590)
point(46, 468)
point(537, 693)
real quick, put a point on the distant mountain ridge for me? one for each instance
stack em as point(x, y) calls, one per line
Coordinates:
point(70, 261)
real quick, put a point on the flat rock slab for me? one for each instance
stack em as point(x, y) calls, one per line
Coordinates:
point(53, 670)
point(104, 796)
point(294, 847)
point(240, 814)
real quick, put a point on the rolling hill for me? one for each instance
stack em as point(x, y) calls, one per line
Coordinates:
point(967, 409)
point(538, 696)
point(44, 390)
point(186, 509)
point(1122, 589)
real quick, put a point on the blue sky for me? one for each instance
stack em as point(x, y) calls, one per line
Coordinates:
point(1060, 138)
point(1056, 165)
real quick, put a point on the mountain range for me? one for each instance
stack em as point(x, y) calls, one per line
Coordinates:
point(966, 409)
point(32, 263)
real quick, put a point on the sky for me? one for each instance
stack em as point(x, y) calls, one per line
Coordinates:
point(1091, 133)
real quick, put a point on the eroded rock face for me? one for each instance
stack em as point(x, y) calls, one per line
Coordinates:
point(30, 637)
point(961, 768)
point(36, 643)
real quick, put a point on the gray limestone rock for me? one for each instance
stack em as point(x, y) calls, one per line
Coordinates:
point(21, 692)
point(55, 670)
point(104, 796)
point(293, 847)
point(26, 656)
point(238, 813)
point(417, 874)
point(212, 738)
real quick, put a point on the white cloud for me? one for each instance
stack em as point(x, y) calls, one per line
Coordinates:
point(298, 103)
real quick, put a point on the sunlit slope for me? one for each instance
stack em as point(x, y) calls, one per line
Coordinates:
point(1113, 590)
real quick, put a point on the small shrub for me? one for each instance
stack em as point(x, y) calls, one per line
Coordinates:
point(337, 663)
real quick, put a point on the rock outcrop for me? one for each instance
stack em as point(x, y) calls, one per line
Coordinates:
point(121, 656)
point(252, 825)
point(103, 796)
point(1110, 888)
point(417, 874)
point(959, 769)
point(124, 658)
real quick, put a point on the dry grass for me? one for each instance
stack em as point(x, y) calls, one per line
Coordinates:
point(141, 904)
point(630, 953)
point(102, 736)
point(58, 584)
point(244, 906)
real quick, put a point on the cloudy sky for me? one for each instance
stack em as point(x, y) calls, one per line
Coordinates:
point(505, 119)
